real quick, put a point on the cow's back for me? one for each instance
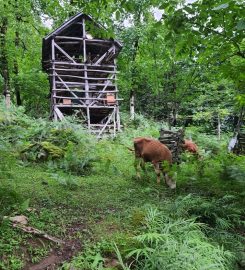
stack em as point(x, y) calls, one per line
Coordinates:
point(154, 150)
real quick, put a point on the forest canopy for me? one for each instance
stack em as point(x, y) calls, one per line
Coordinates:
point(178, 57)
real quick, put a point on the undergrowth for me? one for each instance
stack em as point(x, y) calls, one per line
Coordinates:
point(68, 177)
point(62, 145)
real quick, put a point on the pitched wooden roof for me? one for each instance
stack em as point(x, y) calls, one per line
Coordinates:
point(71, 28)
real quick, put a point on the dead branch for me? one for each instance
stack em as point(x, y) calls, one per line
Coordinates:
point(35, 231)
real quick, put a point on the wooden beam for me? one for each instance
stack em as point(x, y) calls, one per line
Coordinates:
point(94, 40)
point(88, 70)
point(103, 56)
point(91, 84)
point(83, 91)
point(84, 106)
point(81, 64)
point(103, 89)
point(79, 77)
point(85, 98)
point(107, 122)
point(59, 113)
point(68, 88)
point(100, 125)
point(68, 42)
point(62, 51)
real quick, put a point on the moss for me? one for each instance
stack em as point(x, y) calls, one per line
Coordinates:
point(41, 151)
point(53, 150)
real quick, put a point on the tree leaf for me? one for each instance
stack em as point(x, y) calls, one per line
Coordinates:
point(117, 15)
point(25, 205)
point(223, 6)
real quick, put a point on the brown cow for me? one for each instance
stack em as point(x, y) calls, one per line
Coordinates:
point(151, 150)
point(190, 146)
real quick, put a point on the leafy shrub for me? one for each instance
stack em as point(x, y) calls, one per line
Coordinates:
point(223, 213)
point(167, 243)
point(232, 167)
point(65, 145)
point(41, 151)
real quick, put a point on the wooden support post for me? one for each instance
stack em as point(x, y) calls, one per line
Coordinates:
point(114, 122)
point(107, 122)
point(117, 115)
point(218, 126)
point(53, 92)
point(85, 66)
point(88, 117)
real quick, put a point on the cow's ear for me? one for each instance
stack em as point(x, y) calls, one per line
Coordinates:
point(147, 139)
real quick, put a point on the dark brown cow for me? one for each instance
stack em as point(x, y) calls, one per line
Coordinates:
point(151, 150)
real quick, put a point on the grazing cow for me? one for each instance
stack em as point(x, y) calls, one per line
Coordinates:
point(151, 150)
point(190, 146)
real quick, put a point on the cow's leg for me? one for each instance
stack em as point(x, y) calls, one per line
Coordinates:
point(169, 182)
point(142, 165)
point(165, 167)
point(157, 170)
point(137, 166)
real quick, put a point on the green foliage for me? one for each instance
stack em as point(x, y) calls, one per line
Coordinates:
point(40, 152)
point(64, 145)
point(167, 243)
point(213, 32)
point(232, 168)
point(37, 253)
point(222, 213)
point(66, 181)
point(90, 259)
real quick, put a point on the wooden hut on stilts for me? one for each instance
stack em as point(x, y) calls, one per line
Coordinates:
point(82, 73)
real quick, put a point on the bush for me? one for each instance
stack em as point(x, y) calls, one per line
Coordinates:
point(65, 145)
point(167, 243)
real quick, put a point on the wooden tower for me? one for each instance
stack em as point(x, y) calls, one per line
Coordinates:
point(82, 73)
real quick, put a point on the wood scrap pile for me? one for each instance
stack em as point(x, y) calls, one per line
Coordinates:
point(239, 147)
point(173, 140)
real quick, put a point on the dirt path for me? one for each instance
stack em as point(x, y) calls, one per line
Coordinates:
point(60, 254)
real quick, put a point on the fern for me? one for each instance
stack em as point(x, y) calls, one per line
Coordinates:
point(179, 243)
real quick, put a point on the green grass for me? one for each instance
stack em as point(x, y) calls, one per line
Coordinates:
point(105, 204)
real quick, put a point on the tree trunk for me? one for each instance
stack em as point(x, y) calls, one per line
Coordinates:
point(132, 105)
point(175, 113)
point(218, 127)
point(16, 72)
point(133, 72)
point(4, 71)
